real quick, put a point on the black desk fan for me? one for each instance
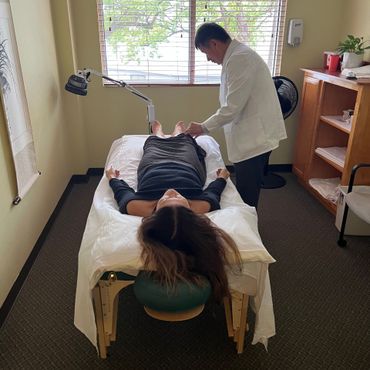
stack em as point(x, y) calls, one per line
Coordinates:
point(288, 98)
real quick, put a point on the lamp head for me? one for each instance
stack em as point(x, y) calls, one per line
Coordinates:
point(77, 84)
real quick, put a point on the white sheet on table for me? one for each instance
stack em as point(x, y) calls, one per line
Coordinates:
point(109, 242)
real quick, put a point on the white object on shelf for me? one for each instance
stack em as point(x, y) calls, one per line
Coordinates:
point(361, 203)
point(327, 188)
point(336, 154)
point(360, 72)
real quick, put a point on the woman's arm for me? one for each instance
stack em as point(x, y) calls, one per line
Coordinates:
point(212, 194)
point(216, 187)
point(125, 197)
point(127, 202)
point(122, 193)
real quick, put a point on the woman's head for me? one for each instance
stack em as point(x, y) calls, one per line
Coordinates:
point(180, 244)
point(172, 198)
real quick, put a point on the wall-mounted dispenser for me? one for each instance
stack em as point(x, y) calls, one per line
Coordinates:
point(295, 33)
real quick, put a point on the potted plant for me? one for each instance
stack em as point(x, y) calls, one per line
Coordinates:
point(352, 49)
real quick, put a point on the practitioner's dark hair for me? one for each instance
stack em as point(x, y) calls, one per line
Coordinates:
point(208, 31)
point(181, 245)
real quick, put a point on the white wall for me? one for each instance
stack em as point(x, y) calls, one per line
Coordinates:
point(356, 22)
point(57, 157)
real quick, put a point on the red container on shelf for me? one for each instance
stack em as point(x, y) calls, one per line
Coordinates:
point(333, 62)
point(326, 58)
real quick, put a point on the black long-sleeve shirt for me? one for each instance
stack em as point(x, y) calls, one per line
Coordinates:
point(164, 176)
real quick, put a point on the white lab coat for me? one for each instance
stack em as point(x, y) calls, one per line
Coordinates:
point(249, 110)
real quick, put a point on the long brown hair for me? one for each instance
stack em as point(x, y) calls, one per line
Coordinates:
point(181, 245)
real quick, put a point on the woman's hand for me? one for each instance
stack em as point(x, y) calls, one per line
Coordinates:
point(111, 173)
point(223, 173)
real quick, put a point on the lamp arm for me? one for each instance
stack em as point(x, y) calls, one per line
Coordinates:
point(77, 84)
point(88, 71)
point(150, 106)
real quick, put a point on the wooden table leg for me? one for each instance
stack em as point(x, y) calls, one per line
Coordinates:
point(99, 322)
point(229, 319)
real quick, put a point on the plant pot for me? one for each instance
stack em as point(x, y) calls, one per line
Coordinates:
point(352, 60)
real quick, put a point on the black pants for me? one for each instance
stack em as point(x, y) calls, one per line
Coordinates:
point(249, 176)
point(182, 149)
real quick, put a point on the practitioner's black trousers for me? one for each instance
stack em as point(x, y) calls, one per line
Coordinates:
point(249, 176)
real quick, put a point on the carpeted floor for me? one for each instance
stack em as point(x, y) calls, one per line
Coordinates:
point(321, 296)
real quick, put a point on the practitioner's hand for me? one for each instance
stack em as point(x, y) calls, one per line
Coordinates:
point(223, 173)
point(111, 173)
point(195, 129)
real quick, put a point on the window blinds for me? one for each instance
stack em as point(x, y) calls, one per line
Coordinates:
point(152, 41)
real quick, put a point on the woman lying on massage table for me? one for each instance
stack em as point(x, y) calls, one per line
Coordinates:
point(171, 171)
point(178, 242)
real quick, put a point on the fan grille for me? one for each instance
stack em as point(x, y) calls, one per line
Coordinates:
point(287, 94)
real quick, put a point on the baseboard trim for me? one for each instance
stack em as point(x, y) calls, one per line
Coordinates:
point(270, 168)
point(14, 291)
point(279, 168)
point(79, 179)
point(95, 171)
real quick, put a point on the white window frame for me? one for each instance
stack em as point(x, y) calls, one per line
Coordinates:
point(273, 60)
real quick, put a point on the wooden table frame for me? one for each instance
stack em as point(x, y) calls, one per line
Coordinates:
point(105, 299)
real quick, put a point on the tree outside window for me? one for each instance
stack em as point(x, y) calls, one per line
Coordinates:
point(152, 41)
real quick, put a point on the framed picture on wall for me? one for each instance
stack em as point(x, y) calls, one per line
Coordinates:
point(14, 102)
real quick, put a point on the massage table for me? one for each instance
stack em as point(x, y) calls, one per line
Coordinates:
point(109, 257)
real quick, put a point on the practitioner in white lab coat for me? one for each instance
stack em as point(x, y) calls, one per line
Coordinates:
point(249, 110)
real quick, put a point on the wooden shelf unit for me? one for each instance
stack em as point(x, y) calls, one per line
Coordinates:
point(324, 97)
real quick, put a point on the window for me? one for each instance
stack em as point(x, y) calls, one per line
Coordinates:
point(152, 41)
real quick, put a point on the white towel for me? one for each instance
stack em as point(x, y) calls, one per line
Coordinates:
point(360, 72)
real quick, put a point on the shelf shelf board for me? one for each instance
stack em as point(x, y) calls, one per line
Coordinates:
point(328, 160)
point(330, 206)
point(337, 122)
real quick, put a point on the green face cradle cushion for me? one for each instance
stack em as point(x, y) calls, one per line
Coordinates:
point(117, 275)
point(184, 296)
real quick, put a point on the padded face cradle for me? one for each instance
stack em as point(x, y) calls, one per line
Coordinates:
point(117, 275)
point(158, 297)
